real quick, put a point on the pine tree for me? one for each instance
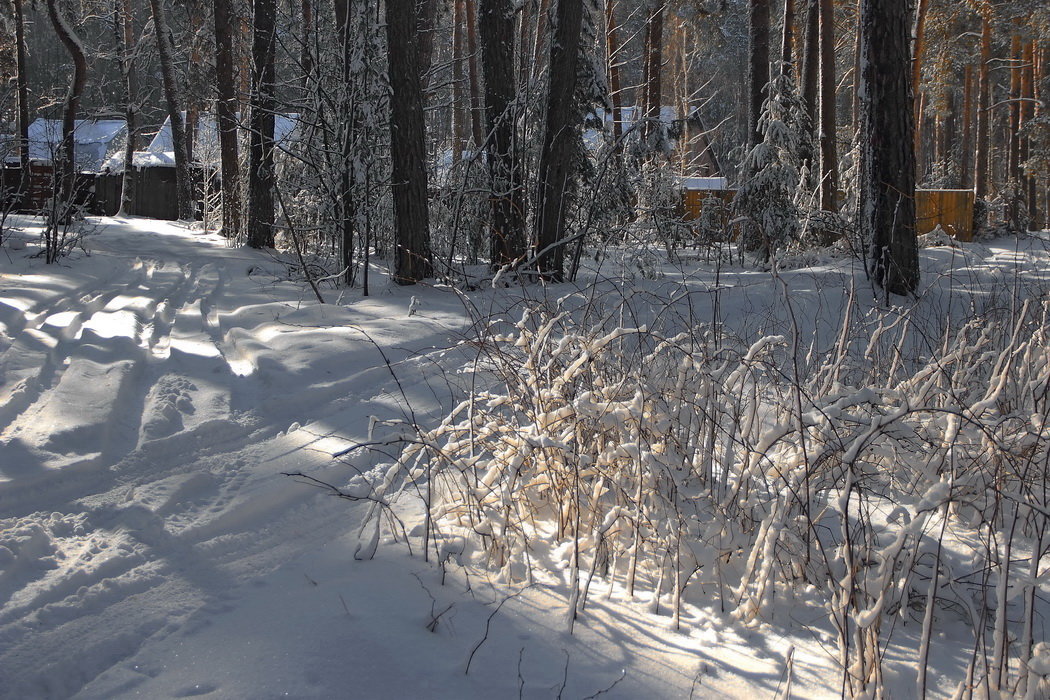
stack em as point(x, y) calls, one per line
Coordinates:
point(768, 197)
point(887, 201)
point(412, 261)
point(261, 140)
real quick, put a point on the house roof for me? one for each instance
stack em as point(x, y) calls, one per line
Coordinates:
point(94, 140)
point(704, 183)
point(161, 150)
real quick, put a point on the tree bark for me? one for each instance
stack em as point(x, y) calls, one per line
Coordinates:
point(166, 52)
point(460, 104)
point(226, 118)
point(966, 148)
point(787, 37)
point(654, 58)
point(124, 24)
point(496, 27)
point(981, 161)
point(426, 24)
point(540, 45)
point(829, 157)
point(811, 78)
point(1027, 113)
point(888, 153)
point(611, 48)
point(260, 143)
point(758, 66)
point(918, 49)
point(306, 56)
point(347, 205)
point(1013, 168)
point(195, 80)
point(407, 148)
point(476, 107)
point(555, 166)
point(22, 90)
point(65, 162)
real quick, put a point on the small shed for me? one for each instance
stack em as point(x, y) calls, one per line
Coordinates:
point(696, 189)
point(155, 195)
point(952, 210)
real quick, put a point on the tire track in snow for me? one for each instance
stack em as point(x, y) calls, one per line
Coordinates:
point(179, 516)
point(94, 365)
point(39, 352)
point(45, 601)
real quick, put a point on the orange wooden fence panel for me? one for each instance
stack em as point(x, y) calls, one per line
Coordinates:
point(951, 209)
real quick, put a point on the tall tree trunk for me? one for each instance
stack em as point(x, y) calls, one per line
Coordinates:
point(811, 79)
point(1027, 113)
point(1015, 207)
point(540, 46)
point(857, 45)
point(306, 56)
point(496, 27)
point(966, 148)
point(758, 66)
point(123, 21)
point(65, 163)
point(260, 143)
point(888, 158)
point(829, 157)
point(347, 205)
point(460, 104)
point(166, 52)
point(476, 107)
point(680, 92)
point(981, 161)
point(555, 166)
point(918, 49)
point(195, 79)
point(22, 90)
point(612, 47)
point(426, 24)
point(226, 118)
point(653, 78)
point(407, 148)
point(787, 37)
point(1013, 167)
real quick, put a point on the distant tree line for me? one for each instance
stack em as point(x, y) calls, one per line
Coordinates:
point(439, 133)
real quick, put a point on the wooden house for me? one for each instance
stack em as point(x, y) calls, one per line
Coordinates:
point(94, 141)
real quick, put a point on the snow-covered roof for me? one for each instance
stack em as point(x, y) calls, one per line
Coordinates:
point(704, 183)
point(629, 116)
point(161, 150)
point(95, 140)
point(632, 113)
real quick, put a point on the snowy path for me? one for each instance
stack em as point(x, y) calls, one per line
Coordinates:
point(144, 408)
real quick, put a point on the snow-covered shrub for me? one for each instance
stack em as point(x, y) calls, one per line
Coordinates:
point(899, 481)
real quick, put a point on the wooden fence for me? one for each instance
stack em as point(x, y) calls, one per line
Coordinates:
point(952, 210)
point(155, 196)
point(41, 188)
point(693, 201)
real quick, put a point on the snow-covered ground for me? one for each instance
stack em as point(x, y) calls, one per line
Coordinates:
point(155, 388)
